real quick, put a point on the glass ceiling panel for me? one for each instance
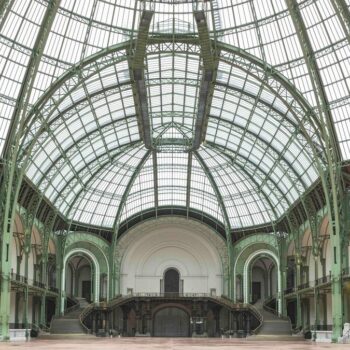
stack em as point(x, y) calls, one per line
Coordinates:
point(202, 194)
point(141, 195)
point(173, 83)
point(105, 190)
point(172, 179)
point(244, 204)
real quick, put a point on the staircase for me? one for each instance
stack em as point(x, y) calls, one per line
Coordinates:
point(70, 323)
point(272, 323)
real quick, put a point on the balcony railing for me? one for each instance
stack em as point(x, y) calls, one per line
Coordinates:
point(33, 283)
point(323, 280)
point(173, 295)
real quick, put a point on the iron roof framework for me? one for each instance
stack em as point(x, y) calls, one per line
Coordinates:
point(231, 121)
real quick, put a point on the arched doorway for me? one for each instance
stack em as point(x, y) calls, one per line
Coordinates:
point(263, 279)
point(248, 272)
point(79, 281)
point(171, 281)
point(91, 286)
point(171, 322)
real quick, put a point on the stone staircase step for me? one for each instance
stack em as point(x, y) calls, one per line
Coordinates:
point(70, 322)
point(273, 324)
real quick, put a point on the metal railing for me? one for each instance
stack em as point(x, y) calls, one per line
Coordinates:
point(75, 306)
point(323, 280)
point(311, 284)
point(85, 313)
point(171, 295)
point(41, 327)
point(31, 283)
point(272, 310)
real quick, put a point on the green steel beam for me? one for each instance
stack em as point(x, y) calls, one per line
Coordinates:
point(258, 31)
point(316, 79)
point(188, 187)
point(17, 118)
point(224, 215)
point(12, 178)
point(138, 78)
point(206, 90)
point(269, 72)
point(5, 8)
point(333, 183)
point(155, 179)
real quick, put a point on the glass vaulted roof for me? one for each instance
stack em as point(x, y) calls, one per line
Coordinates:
point(72, 95)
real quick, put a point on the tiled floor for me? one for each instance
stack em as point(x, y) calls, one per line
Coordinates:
point(166, 344)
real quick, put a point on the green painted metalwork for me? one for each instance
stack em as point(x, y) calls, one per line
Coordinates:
point(206, 90)
point(12, 179)
point(155, 179)
point(310, 126)
point(333, 154)
point(138, 77)
point(188, 189)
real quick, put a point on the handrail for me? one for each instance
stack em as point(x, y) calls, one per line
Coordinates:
point(17, 278)
point(41, 327)
point(73, 307)
point(86, 311)
point(229, 303)
point(275, 312)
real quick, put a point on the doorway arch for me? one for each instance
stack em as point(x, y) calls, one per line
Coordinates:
point(273, 256)
point(96, 275)
point(171, 321)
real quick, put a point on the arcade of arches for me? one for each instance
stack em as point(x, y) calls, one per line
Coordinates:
point(156, 260)
point(175, 168)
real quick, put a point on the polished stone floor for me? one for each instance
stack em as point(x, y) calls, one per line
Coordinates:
point(165, 343)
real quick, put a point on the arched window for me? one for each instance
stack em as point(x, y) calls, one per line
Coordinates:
point(171, 281)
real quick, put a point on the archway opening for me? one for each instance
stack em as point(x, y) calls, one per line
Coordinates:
point(264, 284)
point(79, 281)
point(171, 322)
point(171, 281)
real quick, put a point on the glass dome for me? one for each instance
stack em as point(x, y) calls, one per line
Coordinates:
point(121, 107)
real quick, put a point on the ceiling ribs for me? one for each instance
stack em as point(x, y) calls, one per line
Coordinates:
point(137, 69)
